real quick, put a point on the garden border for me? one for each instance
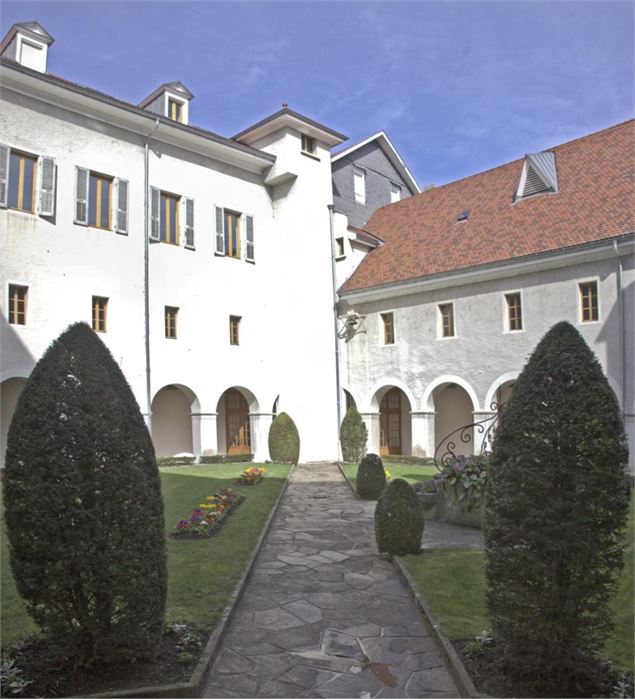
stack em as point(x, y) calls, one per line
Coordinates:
point(460, 675)
point(346, 478)
point(194, 687)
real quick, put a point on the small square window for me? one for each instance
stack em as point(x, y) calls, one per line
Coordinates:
point(175, 110)
point(389, 328)
point(514, 312)
point(100, 306)
point(446, 319)
point(339, 248)
point(170, 322)
point(589, 306)
point(17, 304)
point(308, 144)
point(234, 330)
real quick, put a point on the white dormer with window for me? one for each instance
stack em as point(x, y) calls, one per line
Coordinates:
point(170, 100)
point(539, 175)
point(27, 43)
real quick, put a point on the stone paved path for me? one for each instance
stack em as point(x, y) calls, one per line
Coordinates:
point(323, 615)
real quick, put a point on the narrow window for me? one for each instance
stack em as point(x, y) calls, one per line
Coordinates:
point(175, 110)
point(339, 247)
point(100, 304)
point(308, 144)
point(514, 312)
point(22, 172)
point(169, 218)
point(234, 326)
point(359, 183)
point(395, 193)
point(389, 328)
point(170, 321)
point(446, 316)
point(589, 309)
point(232, 233)
point(17, 304)
point(99, 197)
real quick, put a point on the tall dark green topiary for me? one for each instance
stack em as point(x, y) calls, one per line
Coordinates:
point(371, 478)
point(284, 440)
point(556, 504)
point(83, 502)
point(398, 520)
point(353, 436)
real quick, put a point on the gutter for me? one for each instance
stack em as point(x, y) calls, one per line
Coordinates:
point(621, 325)
point(331, 209)
point(146, 273)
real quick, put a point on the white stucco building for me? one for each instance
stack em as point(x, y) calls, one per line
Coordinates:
point(208, 265)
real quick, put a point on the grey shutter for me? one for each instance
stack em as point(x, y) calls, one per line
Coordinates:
point(81, 195)
point(249, 227)
point(121, 225)
point(47, 186)
point(4, 176)
point(155, 215)
point(189, 223)
point(220, 235)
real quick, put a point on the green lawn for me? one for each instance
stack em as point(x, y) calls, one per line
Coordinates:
point(202, 574)
point(453, 584)
point(409, 472)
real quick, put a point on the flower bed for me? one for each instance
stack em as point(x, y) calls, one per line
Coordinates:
point(251, 476)
point(207, 519)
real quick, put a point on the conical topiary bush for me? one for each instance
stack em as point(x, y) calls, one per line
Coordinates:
point(353, 436)
point(556, 503)
point(284, 440)
point(83, 503)
point(371, 477)
point(398, 520)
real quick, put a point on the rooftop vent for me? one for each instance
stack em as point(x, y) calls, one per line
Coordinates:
point(27, 43)
point(464, 215)
point(170, 100)
point(539, 175)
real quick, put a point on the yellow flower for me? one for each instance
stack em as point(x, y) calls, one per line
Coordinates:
point(387, 473)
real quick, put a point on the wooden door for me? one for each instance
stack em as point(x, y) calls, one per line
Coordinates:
point(390, 423)
point(237, 423)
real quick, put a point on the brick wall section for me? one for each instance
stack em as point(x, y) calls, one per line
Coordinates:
point(595, 201)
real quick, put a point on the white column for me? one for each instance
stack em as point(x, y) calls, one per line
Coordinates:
point(204, 436)
point(486, 420)
point(372, 425)
point(259, 424)
point(423, 433)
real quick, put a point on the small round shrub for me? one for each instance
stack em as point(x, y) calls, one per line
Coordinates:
point(83, 505)
point(353, 436)
point(398, 520)
point(284, 440)
point(371, 478)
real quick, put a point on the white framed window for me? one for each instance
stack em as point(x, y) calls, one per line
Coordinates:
point(395, 193)
point(446, 326)
point(27, 181)
point(171, 218)
point(513, 309)
point(359, 184)
point(589, 301)
point(18, 296)
point(234, 234)
point(388, 327)
point(101, 201)
point(309, 144)
point(340, 250)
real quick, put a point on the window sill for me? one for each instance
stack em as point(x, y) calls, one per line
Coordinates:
point(514, 332)
point(19, 211)
point(340, 257)
point(448, 337)
point(590, 322)
point(309, 155)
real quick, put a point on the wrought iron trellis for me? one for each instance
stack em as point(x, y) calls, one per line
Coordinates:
point(445, 454)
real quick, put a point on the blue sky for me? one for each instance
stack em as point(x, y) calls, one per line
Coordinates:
point(458, 86)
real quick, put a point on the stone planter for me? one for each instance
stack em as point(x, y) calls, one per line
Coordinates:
point(449, 511)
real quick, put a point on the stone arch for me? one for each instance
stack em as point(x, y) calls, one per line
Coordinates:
point(10, 390)
point(172, 408)
point(236, 409)
point(349, 400)
point(382, 387)
point(502, 381)
point(428, 400)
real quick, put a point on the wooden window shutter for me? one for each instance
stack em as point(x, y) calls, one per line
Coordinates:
point(220, 235)
point(4, 176)
point(81, 195)
point(155, 214)
point(121, 225)
point(249, 228)
point(189, 223)
point(47, 186)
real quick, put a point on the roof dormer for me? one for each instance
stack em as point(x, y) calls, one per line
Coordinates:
point(170, 100)
point(539, 175)
point(27, 43)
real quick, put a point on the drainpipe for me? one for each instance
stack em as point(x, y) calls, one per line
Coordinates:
point(621, 325)
point(146, 273)
point(335, 322)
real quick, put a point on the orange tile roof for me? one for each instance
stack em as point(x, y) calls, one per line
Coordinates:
point(595, 201)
